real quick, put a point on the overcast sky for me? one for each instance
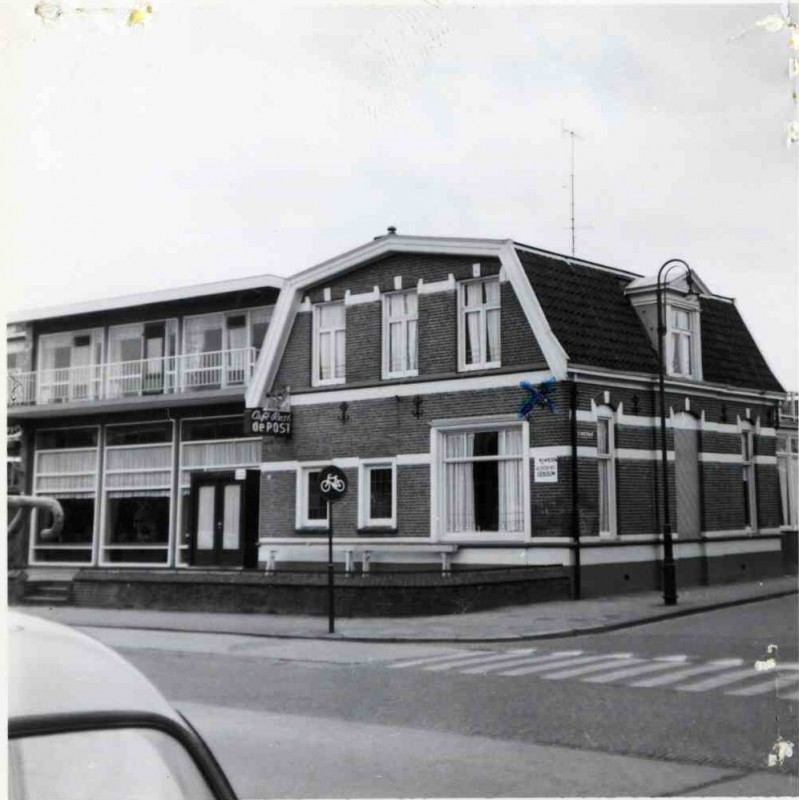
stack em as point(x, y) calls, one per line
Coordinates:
point(228, 139)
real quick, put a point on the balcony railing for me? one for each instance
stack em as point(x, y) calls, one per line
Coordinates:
point(192, 372)
point(789, 408)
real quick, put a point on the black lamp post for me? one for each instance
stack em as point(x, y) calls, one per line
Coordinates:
point(669, 570)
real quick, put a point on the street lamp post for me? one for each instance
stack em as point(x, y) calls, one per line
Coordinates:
point(669, 569)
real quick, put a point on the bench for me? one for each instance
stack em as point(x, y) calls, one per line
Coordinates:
point(363, 552)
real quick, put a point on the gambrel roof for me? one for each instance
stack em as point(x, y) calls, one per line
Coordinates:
point(576, 309)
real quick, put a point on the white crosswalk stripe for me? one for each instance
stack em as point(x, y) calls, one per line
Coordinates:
point(569, 662)
point(612, 661)
point(482, 670)
point(629, 672)
point(469, 660)
point(675, 677)
point(417, 662)
point(510, 655)
point(763, 687)
point(725, 679)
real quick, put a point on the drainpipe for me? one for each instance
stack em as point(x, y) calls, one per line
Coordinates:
point(576, 587)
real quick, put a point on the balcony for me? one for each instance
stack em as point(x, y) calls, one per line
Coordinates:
point(169, 375)
point(789, 408)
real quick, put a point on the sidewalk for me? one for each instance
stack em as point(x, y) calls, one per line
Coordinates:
point(537, 621)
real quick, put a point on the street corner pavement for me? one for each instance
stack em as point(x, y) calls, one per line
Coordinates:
point(537, 621)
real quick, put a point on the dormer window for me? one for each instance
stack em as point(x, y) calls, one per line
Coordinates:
point(681, 342)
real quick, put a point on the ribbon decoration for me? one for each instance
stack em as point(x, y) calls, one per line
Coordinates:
point(538, 396)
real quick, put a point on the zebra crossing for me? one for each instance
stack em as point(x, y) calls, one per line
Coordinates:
point(681, 673)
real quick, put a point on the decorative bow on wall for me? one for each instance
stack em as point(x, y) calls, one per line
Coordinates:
point(538, 396)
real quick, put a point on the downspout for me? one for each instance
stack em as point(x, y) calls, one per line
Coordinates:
point(576, 576)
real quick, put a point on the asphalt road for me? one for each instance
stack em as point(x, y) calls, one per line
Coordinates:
point(667, 708)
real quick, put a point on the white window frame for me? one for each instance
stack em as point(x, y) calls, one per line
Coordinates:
point(235, 312)
point(301, 520)
point(748, 469)
point(403, 320)
point(693, 335)
point(438, 497)
point(788, 471)
point(462, 309)
point(316, 380)
point(364, 495)
point(607, 414)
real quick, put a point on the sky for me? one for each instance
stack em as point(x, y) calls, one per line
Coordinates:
point(229, 139)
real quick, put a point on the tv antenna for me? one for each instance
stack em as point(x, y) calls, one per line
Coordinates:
point(574, 135)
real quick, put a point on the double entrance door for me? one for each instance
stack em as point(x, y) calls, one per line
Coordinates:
point(224, 519)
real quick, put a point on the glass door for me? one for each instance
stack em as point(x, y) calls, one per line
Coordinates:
point(217, 533)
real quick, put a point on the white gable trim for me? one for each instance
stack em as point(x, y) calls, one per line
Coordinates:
point(288, 302)
point(556, 357)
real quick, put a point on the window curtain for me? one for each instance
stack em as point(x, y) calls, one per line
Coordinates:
point(511, 482)
point(492, 321)
point(413, 313)
point(460, 484)
point(332, 341)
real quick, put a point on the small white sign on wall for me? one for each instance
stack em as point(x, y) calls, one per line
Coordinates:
point(546, 470)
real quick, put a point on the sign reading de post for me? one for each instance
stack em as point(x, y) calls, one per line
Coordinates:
point(267, 422)
point(546, 470)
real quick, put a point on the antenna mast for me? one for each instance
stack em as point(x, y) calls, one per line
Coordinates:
point(574, 135)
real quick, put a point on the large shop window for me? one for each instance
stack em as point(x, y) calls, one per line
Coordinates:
point(400, 321)
point(69, 366)
point(329, 343)
point(136, 492)
point(311, 506)
point(606, 467)
point(479, 324)
point(65, 467)
point(484, 485)
point(748, 475)
point(788, 468)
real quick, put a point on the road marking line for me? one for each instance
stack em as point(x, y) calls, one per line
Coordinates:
point(517, 661)
point(629, 672)
point(434, 659)
point(672, 659)
point(569, 662)
point(612, 661)
point(468, 661)
point(762, 688)
point(724, 679)
point(675, 677)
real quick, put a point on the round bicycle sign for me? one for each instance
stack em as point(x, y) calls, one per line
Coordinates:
point(332, 483)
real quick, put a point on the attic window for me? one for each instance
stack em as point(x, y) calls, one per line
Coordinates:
point(683, 353)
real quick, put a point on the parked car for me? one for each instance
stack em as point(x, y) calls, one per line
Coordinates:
point(85, 724)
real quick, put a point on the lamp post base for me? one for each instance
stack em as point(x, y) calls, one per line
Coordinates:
point(669, 584)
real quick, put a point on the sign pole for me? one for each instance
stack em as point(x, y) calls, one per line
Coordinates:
point(331, 607)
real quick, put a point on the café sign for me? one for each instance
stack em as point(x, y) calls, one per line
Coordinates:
point(272, 419)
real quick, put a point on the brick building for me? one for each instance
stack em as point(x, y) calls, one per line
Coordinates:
point(401, 362)
point(404, 358)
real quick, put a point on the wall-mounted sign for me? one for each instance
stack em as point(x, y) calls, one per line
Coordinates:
point(266, 422)
point(546, 470)
point(585, 434)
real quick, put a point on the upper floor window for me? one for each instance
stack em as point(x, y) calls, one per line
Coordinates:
point(682, 354)
point(329, 343)
point(400, 321)
point(69, 366)
point(478, 324)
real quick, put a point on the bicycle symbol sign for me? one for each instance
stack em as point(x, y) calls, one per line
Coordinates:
point(332, 483)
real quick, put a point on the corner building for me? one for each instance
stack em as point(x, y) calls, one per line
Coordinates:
point(404, 359)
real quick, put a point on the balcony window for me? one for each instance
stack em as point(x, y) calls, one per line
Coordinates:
point(141, 358)
point(69, 366)
point(479, 324)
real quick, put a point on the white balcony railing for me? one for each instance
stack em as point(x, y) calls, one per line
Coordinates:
point(192, 372)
